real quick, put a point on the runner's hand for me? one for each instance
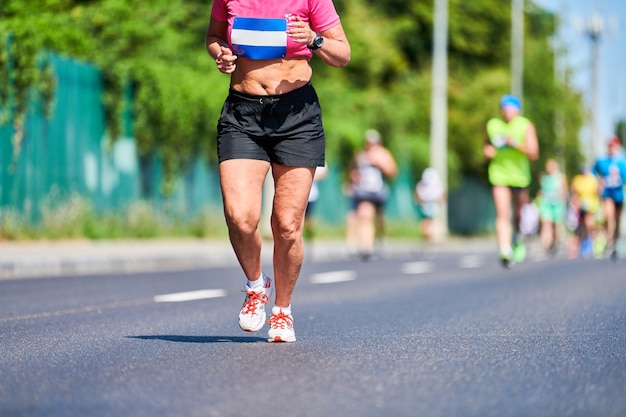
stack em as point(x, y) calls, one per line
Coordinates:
point(226, 61)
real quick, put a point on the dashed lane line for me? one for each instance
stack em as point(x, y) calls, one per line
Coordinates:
point(164, 298)
point(78, 310)
point(471, 261)
point(414, 268)
point(180, 297)
point(333, 277)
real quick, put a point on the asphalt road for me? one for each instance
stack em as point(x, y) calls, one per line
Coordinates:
point(446, 335)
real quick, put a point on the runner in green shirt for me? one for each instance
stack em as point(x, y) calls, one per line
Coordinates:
point(552, 204)
point(511, 145)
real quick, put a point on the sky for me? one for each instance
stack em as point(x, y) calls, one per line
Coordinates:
point(612, 66)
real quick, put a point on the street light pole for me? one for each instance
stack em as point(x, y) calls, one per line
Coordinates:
point(517, 48)
point(595, 27)
point(439, 107)
point(594, 32)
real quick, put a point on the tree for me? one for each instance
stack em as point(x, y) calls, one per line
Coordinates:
point(620, 130)
point(156, 50)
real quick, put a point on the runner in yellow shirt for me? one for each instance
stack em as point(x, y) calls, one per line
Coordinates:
point(585, 191)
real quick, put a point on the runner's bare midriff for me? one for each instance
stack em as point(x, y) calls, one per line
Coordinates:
point(270, 77)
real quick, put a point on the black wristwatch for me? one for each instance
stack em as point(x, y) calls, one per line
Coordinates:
point(318, 41)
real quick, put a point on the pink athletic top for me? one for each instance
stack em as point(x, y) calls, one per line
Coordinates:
point(256, 28)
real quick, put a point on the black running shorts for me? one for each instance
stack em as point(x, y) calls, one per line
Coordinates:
point(285, 129)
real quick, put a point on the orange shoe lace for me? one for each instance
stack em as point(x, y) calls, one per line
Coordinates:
point(280, 320)
point(252, 301)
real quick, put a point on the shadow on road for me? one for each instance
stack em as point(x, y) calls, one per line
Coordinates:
point(201, 339)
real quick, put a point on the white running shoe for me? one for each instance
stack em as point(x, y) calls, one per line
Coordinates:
point(252, 315)
point(281, 328)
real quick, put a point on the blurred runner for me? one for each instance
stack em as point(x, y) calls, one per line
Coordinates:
point(429, 192)
point(511, 145)
point(611, 171)
point(552, 204)
point(584, 199)
point(309, 230)
point(369, 171)
point(529, 222)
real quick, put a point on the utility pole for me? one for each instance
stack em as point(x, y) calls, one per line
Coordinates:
point(559, 119)
point(517, 48)
point(560, 79)
point(595, 28)
point(439, 108)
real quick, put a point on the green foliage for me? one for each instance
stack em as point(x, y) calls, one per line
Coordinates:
point(620, 130)
point(387, 84)
point(479, 31)
point(73, 216)
point(156, 49)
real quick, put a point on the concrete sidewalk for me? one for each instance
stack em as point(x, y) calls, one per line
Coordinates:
point(83, 257)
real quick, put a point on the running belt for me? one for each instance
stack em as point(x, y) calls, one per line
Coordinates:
point(255, 38)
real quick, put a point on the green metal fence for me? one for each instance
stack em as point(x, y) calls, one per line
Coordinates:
point(69, 152)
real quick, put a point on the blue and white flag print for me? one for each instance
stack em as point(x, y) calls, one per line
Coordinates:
point(256, 38)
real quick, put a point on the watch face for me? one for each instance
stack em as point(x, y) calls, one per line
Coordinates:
point(318, 41)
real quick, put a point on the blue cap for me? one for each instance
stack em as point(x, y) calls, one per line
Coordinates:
point(510, 100)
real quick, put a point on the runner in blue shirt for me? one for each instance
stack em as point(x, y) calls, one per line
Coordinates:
point(611, 170)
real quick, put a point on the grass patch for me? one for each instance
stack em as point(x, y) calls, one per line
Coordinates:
point(75, 217)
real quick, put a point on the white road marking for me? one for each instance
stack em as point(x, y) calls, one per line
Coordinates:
point(189, 296)
point(78, 310)
point(538, 258)
point(417, 267)
point(332, 277)
point(471, 261)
